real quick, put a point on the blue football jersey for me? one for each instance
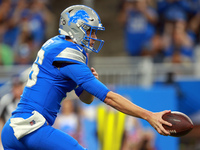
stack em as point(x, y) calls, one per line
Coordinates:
point(46, 86)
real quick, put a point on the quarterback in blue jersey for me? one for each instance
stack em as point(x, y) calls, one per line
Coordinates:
point(60, 67)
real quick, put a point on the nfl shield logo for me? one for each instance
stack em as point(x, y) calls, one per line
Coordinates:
point(32, 122)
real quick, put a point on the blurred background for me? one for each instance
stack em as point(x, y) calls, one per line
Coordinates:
point(151, 56)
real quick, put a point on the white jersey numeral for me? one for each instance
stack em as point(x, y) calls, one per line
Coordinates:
point(35, 69)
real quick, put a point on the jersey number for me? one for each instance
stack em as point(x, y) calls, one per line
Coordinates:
point(35, 69)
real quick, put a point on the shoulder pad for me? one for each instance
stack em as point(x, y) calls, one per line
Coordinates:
point(71, 54)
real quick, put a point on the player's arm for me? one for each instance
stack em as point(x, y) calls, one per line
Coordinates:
point(85, 96)
point(86, 80)
point(122, 104)
point(71, 62)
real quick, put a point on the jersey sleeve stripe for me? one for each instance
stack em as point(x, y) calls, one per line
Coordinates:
point(73, 54)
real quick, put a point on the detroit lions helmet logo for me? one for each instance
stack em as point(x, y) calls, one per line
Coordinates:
point(80, 14)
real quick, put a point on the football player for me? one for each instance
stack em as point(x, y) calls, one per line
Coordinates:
point(60, 67)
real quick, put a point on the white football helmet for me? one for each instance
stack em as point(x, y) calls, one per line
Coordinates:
point(76, 20)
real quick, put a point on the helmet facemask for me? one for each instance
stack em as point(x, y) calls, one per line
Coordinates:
point(98, 43)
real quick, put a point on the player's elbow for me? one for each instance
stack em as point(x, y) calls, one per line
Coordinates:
point(86, 97)
point(88, 101)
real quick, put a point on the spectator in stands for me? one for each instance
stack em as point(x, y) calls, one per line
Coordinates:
point(178, 41)
point(4, 12)
point(136, 137)
point(12, 21)
point(158, 45)
point(40, 16)
point(173, 9)
point(179, 48)
point(15, 16)
point(138, 20)
point(25, 49)
point(132, 134)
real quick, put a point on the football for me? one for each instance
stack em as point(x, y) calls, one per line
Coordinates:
point(181, 123)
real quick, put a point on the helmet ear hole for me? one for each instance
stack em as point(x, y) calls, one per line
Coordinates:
point(62, 21)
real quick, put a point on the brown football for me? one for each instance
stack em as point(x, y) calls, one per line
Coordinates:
point(181, 123)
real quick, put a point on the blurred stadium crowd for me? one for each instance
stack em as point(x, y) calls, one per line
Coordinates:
point(23, 28)
point(166, 30)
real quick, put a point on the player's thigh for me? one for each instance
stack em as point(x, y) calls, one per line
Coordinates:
point(9, 141)
point(49, 138)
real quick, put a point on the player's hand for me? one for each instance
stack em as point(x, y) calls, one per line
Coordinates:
point(94, 73)
point(156, 122)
